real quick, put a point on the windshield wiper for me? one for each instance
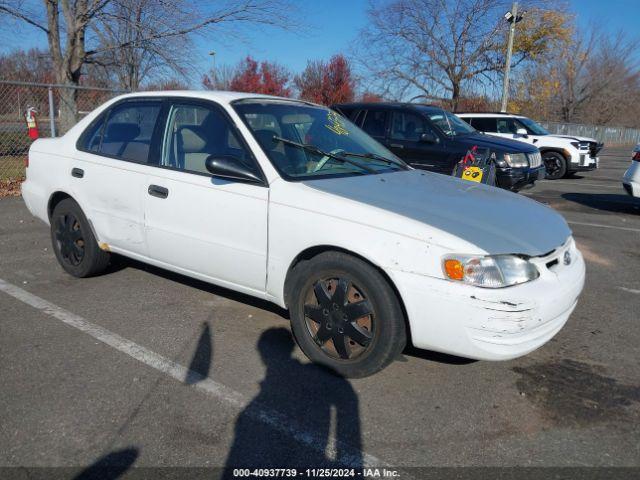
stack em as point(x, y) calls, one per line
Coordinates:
point(375, 156)
point(317, 151)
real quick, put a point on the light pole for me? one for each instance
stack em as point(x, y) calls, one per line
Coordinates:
point(512, 17)
point(212, 53)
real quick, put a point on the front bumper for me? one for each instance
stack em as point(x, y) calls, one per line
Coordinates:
point(518, 178)
point(583, 162)
point(631, 180)
point(493, 324)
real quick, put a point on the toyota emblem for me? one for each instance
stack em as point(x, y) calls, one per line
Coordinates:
point(567, 257)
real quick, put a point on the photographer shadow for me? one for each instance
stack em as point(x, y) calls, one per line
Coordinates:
point(317, 419)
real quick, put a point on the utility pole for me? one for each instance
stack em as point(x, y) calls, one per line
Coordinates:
point(512, 17)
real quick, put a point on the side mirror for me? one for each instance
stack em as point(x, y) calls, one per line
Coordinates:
point(429, 138)
point(522, 131)
point(230, 168)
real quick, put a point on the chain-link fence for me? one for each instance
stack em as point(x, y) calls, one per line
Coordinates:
point(57, 108)
point(607, 135)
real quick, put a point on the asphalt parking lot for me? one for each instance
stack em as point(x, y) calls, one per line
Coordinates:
point(141, 367)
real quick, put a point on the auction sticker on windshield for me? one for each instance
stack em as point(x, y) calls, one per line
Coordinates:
point(473, 174)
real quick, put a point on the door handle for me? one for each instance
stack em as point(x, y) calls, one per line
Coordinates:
point(158, 191)
point(396, 145)
point(77, 172)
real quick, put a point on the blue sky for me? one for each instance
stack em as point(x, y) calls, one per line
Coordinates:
point(332, 26)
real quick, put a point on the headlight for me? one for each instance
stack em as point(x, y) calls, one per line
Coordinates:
point(491, 271)
point(516, 160)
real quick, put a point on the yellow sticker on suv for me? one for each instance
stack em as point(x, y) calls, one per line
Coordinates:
point(473, 174)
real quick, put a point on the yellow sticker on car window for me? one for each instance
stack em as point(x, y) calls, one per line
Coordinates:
point(473, 174)
point(336, 125)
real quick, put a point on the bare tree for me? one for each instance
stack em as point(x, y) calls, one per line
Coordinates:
point(138, 31)
point(437, 49)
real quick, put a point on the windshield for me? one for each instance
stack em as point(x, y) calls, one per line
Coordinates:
point(307, 141)
point(450, 124)
point(533, 127)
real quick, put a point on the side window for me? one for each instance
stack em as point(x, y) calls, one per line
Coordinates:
point(506, 125)
point(374, 123)
point(128, 130)
point(92, 136)
point(195, 132)
point(408, 126)
point(484, 124)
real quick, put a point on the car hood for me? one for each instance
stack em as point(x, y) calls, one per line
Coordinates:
point(495, 143)
point(575, 139)
point(493, 219)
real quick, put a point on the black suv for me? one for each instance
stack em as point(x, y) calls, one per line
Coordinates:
point(430, 138)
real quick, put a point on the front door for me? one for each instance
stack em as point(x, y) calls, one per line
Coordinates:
point(406, 140)
point(199, 224)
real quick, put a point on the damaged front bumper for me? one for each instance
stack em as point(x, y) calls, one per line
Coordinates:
point(493, 324)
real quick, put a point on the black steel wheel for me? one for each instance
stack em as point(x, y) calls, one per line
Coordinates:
point(69, 238)
point(73, 241)
point(344, 314)
point(555, 165)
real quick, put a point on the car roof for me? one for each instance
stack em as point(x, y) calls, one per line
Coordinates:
point(422, 106)
point(216, 95)
point(489, 114)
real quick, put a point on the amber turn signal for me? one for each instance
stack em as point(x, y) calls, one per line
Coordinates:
point(454, 269)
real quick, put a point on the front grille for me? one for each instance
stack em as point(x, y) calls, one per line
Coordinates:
point(535, 159)
point(594, 148)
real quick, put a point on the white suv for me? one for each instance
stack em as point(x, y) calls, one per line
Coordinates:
point(562, 154)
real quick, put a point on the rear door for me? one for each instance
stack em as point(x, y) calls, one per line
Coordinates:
point(405, 140)
point(214, 228)
point(109, 172)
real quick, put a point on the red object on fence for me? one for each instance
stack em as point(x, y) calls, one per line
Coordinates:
point(32, 123)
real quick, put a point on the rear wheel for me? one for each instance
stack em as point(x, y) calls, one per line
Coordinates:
point(555, 165)
point(73, 242)
point(344, 314)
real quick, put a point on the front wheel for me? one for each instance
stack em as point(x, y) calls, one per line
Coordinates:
point(345, 315)
point(555, 165)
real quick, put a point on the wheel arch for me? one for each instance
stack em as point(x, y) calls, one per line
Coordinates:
point(314, 251)
point(60, 195)
point(561, 151)
point(55, 198)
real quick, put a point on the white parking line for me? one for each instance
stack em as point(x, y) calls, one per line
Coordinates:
point(628, 229)
point(630, 290)
point(276, 420)
point(578, 184)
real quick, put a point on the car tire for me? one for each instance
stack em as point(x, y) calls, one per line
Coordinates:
point(345, 315)
point(555, 165)
point(73, 241)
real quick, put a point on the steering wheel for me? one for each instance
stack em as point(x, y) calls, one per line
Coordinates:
point(323, 161)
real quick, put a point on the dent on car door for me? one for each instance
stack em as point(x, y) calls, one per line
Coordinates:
point(195, 222)
point(109, 172)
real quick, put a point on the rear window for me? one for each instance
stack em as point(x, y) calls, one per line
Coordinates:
point(124, 132)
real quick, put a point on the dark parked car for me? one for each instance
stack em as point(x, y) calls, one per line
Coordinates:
point(430, 138)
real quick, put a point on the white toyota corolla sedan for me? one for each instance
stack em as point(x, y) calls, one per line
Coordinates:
point(290, 202)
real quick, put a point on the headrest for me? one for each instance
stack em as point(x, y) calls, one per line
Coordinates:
point(265, 139)
point(193, 139)
point(122, 132)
